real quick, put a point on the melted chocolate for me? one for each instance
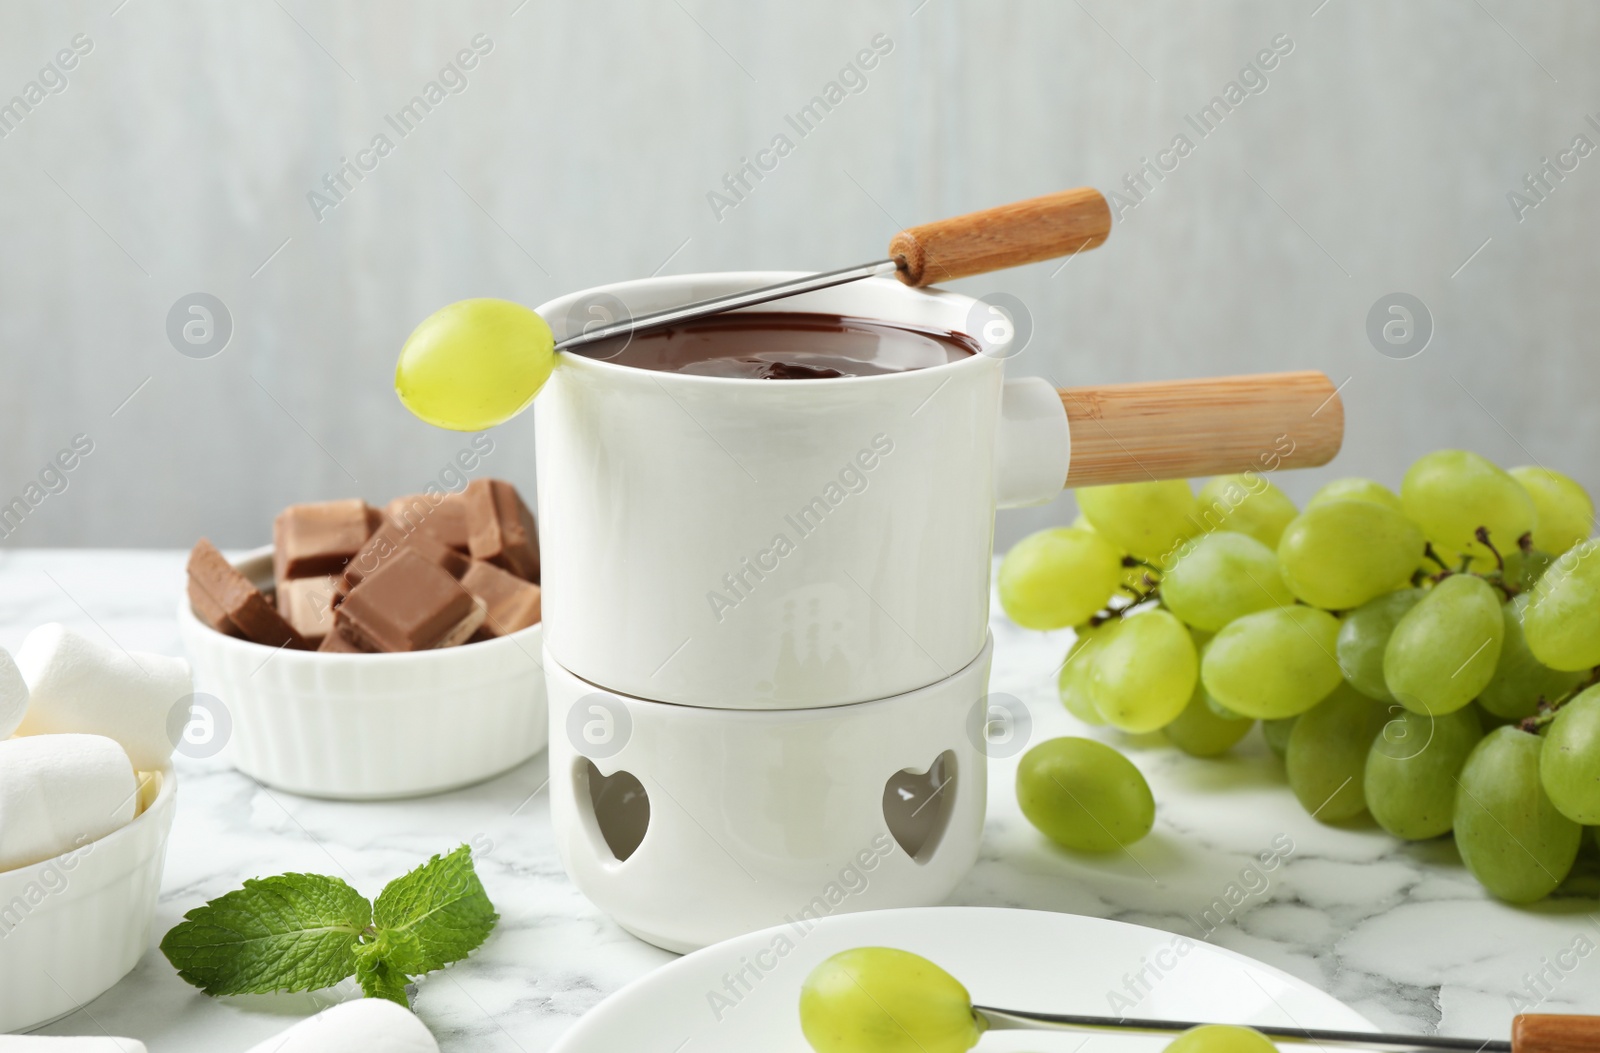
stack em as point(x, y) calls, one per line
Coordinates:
point(784, 345)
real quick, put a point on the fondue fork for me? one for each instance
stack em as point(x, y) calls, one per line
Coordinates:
point(1041, 228)
point(1119, 432)
point(1530, 1032)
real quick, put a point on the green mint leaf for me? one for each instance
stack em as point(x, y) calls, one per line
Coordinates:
point(435, 915)
point(378, 976)
point(294, 932)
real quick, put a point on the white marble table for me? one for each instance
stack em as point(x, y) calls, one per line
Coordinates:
point(1402, 933)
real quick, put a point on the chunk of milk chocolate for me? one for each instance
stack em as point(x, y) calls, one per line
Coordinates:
point(316, 539)
point(512, 603)
point(225, 599)
point(408, 604)
point(501, 529)
point(440, 515)
point(307, 604)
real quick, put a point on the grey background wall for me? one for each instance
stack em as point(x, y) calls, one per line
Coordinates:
point(179, 154)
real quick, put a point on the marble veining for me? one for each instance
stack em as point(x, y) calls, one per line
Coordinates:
point(1400, 932)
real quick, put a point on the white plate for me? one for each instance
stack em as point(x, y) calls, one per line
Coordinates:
point(1015, 959)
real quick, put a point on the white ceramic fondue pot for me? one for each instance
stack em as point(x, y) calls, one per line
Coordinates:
point(752, 544)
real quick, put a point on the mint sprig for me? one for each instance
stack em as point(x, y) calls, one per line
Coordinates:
point(304, 932)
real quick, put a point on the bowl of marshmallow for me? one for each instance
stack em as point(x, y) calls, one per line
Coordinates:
point(87, 794)
point(374, 653)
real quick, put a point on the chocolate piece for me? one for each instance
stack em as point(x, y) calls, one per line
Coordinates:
point(337, 643)
point(442, 515)
point(307, 604)
point(311, 540)
point(389, 540)
point(512, 603)
point(208, 611)
point(233, 600)
point(408, 604)
point(501, 529)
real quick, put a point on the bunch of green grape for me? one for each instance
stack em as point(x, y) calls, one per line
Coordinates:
point(1431, 657)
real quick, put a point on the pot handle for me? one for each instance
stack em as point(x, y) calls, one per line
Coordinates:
point(1170, 429)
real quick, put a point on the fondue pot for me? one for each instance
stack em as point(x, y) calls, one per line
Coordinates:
point(766, 602)
point(756, 544)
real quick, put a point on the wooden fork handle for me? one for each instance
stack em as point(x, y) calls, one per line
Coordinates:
point(1041, 228)
point(1555, 1033)
point(1180, 429)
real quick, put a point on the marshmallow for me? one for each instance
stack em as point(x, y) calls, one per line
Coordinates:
point(79, 685)
point(47, 1044)
point(60, 792)
point(373, 1025)
point(13, 695)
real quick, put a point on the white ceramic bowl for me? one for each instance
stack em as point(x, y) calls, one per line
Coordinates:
point(370, 726)
point(729, 820)
point(72, 926)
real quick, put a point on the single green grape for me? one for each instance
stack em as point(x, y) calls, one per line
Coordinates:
point(1511, 835)
point(1364, 634)
point(1520, 680)
point(1356, 489)
point(1221, 1038)
point(1412, 769)
point(1565, 512)
point(1327, 756)
point(1245, 504)
point(1073, 682)
point(474, 364)
point(1277, 733)
point(1275, 663)
point(1569, 761)
point(883, 1000)
point(1200, 731)
point(1084, 795)
point(1524, 569)
point(1445, 649)
point(1562, 620)
point(1451, 493)
point(1149, 520)
point(1340, 554)
point(1058, 577)
point(1216, 578)
point(1142, 676)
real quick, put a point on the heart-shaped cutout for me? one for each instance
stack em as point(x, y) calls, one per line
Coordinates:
point(619, 807)
point(917, 805)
